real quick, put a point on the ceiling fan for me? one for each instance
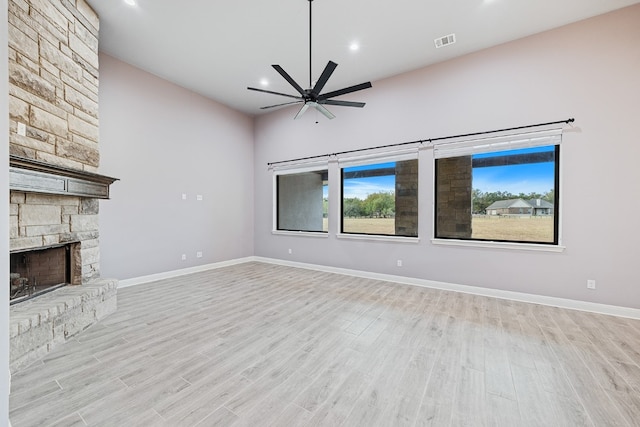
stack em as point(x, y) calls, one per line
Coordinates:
point(312, 97)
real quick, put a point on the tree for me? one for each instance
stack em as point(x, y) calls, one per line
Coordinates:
point(381, 204)
point(352, 207)
point(550, 196)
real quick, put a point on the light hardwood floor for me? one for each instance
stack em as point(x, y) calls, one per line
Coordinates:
point(258, 345)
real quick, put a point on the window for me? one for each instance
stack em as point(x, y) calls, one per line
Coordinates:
point(302, 201)
point(381, 198)
point(500, 189)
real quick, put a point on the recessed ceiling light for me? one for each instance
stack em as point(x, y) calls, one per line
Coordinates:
point(130, 2)
point(264, 82)
point(354, 46)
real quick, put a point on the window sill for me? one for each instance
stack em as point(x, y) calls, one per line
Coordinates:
point(300, 233)
point(499, 245)
point(399, 239)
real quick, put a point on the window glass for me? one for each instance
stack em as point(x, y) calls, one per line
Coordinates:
point(302, 200)
point(508, 196)
point(381, 199)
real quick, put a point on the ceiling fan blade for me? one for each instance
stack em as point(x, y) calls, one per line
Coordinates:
point(328, 114)
point(328, 70)
point(301, 112)
point(274, 93)
point(288, 78)
point(342, 103)
point(344, 91)
point(281, 105)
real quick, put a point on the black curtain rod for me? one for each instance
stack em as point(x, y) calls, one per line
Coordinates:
point(420, 141)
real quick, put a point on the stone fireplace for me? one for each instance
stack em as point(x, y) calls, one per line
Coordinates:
point(54, 282)
point(35, 272)
point(55, 187)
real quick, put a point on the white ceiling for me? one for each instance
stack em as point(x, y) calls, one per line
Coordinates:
point(218, 48)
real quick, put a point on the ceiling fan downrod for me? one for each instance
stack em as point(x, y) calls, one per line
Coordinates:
point(310, 24)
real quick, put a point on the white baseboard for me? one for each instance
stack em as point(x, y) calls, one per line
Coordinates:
point(593, 307)
point(183, 271)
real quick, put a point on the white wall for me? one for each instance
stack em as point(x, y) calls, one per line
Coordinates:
point(588, 70)
point(4, 215)
point(161, 141)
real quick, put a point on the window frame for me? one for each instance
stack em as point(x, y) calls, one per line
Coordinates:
point(549, 137)
point(293, 170)
point(373, 159)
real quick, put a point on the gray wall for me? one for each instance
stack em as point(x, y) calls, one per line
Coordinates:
point(163, 141)
point(588, 70)
point(4, 216)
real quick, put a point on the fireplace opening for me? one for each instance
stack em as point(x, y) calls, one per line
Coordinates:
point(38, 271)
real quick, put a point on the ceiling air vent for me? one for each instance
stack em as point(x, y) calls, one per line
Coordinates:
point(445, 41)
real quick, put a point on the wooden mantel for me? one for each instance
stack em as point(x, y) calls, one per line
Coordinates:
point(34, 176)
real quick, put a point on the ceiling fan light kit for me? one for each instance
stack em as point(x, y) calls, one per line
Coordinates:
point(312, 97)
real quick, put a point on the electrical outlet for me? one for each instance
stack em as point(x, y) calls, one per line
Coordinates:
point(184, 257)
point(290, 251)
point(399, 263)
point(184, 196)
point(591, 284)
point(199, 254)
point(22, 129)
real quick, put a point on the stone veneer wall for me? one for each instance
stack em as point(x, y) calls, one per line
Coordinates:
point(53, 91)
point(407, 198)
point(53, 82)
point(453, 197)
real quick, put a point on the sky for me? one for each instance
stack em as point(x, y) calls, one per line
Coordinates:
point(527, 178)
point(362, 187)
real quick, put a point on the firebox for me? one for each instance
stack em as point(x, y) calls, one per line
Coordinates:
point(37, 271)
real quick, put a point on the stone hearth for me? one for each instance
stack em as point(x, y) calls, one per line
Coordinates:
point(39, 324)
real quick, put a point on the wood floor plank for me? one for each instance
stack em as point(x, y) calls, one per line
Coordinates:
point(596, 401)
point(18, 400)
point(292, 416)
point(501, 411)
point(130, 402)
point(220, 417)
point(261, 344)
point(363, 415)
point(498, 378)
point(470, 396)
point(192, 405)
point(401, 411)
point(73, 420)
point(537, 406)
point(325, 384)
point(60, 405)
point(275, 402)
point(334, 411)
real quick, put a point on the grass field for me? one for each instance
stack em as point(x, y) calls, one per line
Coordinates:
point(525, 229)
point(370, 225)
